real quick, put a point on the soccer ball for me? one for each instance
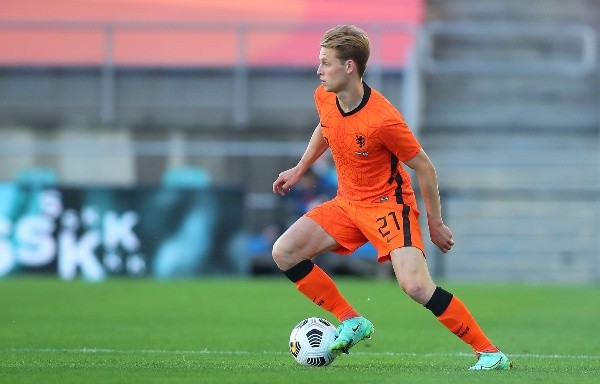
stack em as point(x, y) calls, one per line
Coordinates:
point(310, 341)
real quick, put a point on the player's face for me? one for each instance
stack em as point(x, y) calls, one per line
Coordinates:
point(332, 71)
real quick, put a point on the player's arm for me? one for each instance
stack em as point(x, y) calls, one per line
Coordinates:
point(440, 234)
point(287, 179)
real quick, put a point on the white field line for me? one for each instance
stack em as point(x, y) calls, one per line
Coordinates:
point(215, 352)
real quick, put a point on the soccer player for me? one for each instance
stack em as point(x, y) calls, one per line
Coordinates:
point(369, 143)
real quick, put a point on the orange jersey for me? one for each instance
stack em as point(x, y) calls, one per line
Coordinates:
point(368, 145)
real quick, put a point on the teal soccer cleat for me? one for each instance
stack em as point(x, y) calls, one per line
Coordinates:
point(488, 361)
point(350, 332)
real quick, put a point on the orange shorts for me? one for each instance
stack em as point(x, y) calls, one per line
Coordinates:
point(386, 225)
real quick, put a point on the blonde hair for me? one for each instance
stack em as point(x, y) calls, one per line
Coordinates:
point(350, 43)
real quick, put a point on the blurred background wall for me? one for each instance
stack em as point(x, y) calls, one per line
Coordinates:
point(133, 94)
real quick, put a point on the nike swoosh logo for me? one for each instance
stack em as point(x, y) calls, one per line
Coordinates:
point(391, 238)
point(356, 328)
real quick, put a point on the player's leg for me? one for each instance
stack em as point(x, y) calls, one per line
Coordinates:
point(411, 270)
point(293, 253)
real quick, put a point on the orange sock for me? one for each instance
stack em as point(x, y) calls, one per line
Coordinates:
point(315, 284)
point(459, 321)
point(455, 316)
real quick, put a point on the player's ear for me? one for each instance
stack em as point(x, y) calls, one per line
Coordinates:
point(350, 66)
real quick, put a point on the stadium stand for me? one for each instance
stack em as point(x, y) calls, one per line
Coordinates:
point(515, 138)
point(509, 109)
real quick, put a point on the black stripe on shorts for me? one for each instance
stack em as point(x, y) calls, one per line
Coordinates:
point(406, 225)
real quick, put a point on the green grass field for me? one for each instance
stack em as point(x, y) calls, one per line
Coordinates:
point(236, 331)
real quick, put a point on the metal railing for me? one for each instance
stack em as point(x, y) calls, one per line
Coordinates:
point(583, 36)
point(428, 62)
point(423, 60)
point(240, 66)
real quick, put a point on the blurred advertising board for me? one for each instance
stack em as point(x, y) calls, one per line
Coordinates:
point(94, 233)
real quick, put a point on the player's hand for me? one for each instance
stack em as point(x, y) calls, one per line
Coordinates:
point(441, 235)
point(286, 180)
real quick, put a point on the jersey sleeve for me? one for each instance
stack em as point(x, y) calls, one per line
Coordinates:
point(400, 140)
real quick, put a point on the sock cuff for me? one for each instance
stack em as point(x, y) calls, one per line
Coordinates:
point(439, 302)
point(300, 270)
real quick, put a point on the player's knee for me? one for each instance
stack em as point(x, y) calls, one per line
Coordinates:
point(282, 255)
point(417, 290)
